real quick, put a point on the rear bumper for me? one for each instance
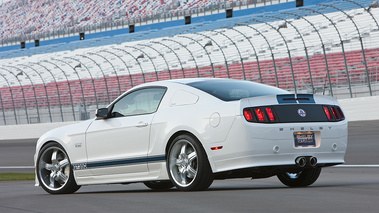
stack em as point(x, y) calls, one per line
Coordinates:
point(259, 145)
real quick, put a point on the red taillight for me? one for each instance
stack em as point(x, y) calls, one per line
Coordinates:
point(341, 113)
point(327, 113)
point(270, 114)
point(248, 115)
point(335, 113)
point(260, 114)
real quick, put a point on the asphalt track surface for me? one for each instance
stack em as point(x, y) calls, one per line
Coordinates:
point(354, 188)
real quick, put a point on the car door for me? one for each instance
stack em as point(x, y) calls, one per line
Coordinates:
point(119, 143)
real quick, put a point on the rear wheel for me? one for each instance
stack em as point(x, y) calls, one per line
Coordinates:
point(159, 185)
point(54, 170)
point(188, 165)
point(300, 179)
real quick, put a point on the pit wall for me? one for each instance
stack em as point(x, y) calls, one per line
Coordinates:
point(356, 109)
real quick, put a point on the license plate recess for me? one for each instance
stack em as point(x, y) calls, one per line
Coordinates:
point(304, 139)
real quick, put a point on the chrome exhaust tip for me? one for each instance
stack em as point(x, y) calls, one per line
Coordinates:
point(313, 161)
point(301, 161)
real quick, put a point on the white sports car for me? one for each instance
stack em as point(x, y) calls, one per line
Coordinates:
point(188, 132)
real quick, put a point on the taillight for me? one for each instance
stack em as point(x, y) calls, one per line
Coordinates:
point(261, 116)
point(270, 114)
point(327, 113)
point(335, 113)
point(341, 113)
point(264, 114)
point(248, 115)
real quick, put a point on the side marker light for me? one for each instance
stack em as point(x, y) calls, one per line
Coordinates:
point(217, 148)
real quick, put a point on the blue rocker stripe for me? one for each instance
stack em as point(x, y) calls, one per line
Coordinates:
point(129, 161)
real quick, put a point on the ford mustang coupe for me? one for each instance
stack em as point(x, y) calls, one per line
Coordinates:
point(188, 132)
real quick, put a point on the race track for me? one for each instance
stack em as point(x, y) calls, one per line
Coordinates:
point(350, 188)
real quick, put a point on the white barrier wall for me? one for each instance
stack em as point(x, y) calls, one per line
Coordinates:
point(356, 109)
point(27, 131)
point(361, 109)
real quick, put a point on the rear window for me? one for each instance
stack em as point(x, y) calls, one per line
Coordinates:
point(232, 90)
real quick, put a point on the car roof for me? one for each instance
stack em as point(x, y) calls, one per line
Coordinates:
point(192, 80)
point(183, 81)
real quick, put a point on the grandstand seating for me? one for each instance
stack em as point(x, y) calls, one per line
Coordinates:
point(29, 19)
point(319, 74)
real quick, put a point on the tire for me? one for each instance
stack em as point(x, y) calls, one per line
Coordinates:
point(54, 170)
point(187, 164)
point(300, 179)
point(159, 185)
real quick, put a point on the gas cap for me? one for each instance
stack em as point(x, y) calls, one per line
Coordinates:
point(215, 119)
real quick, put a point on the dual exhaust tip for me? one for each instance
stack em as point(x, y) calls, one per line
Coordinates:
point(306, 160)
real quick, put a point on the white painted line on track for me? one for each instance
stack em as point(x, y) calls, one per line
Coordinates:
point(16, 167)
point(357, 166)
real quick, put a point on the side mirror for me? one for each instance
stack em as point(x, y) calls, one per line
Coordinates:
point(102, 113)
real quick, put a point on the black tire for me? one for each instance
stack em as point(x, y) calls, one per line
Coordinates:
point(187, 164)
point(54, 171)
point(159, 185)
point(300, 179)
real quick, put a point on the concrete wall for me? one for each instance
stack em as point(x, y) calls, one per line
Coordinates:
point(361, 109)
point(356, 109)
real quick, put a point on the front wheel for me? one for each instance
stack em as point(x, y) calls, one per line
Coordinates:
point(188, 165)
point(300, 179)
point(54, 170)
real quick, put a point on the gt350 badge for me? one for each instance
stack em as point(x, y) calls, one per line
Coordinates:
point(79, 166)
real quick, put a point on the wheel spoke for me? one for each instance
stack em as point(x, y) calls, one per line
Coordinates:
point(52, 180)
point(192, 156)
point(61, 177)
point(191, 172)
point(54, 156)
point(183, 177)
point(48, 166)
point(183, 149)
point(178, 162)
point(63, 163)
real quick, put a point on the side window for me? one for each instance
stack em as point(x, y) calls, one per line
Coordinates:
point(142, 101)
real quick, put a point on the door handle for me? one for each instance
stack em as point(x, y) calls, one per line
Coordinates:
point(141, 124)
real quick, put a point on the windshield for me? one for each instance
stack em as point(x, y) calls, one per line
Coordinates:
point(232, 90)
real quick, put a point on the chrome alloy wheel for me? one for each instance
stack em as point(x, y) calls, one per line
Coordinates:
point(183, 163)
point(54, 168)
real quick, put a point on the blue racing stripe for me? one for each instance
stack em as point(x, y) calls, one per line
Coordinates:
point(296, 99)
point(119, 162)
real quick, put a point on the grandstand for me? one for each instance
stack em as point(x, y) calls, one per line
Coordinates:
point(324, 47)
